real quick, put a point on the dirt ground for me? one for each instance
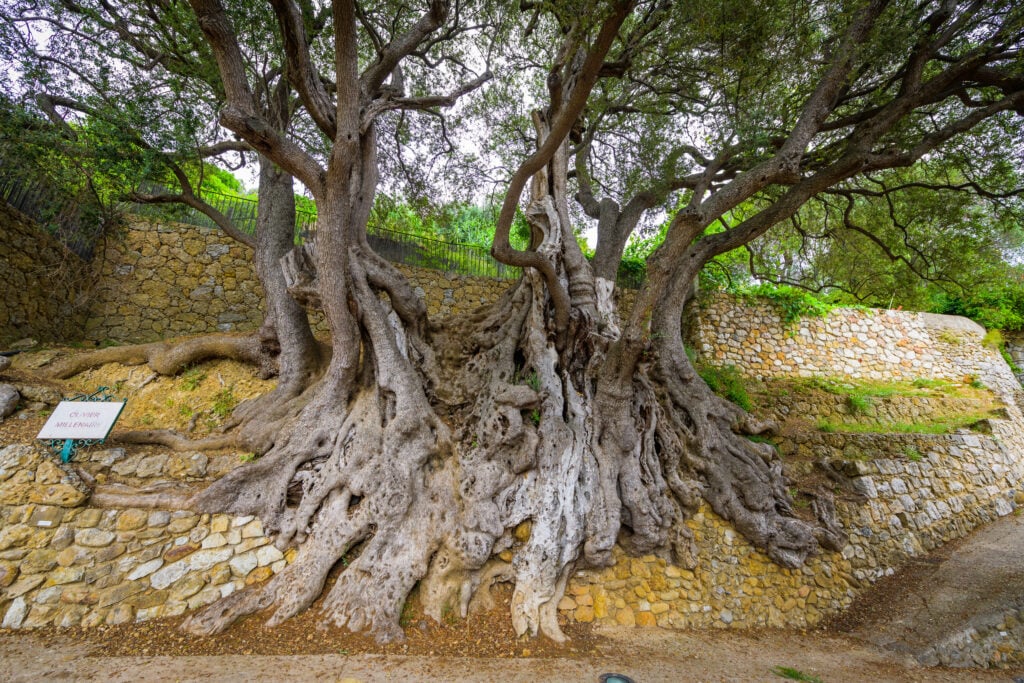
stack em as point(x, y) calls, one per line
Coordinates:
point(645, 655)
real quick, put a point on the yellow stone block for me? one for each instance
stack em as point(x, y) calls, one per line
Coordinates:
point(584, 614)
point(601, 605)
point(646, 619)
point(626, 617)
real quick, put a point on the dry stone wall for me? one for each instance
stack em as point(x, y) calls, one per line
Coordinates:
point(907, 493)
point(160, 280)
point(868, 344)
point(41, 293)
point(65, 563)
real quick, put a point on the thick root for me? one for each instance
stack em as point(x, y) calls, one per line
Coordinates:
point(165, 358)
point(167, 496)
point(176, 441)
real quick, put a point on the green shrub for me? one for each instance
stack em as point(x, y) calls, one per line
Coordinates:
point(859, 404)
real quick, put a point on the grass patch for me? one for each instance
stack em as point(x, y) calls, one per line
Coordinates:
point(224, 401)
point(728, 383)
point(913, 455)
point(792, 674)
point(859, 404)
point(192, 378)
point(946, 425)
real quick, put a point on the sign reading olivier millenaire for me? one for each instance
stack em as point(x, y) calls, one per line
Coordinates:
point(91, 420)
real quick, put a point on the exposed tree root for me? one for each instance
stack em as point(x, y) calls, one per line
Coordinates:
point(164, 357)
point(440, 441)
point(176, 441)
point(166, 496)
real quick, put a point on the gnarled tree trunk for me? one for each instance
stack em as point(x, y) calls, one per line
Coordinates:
point(425, 445)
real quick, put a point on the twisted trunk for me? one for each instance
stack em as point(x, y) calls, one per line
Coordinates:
point(424, 446)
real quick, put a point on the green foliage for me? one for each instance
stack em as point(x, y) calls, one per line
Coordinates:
point(792, 303)
point(247, 457)
point(533, 381)
point(913, 455)
point(728, 383)
point(945, 425)
point(192, 378)
point(224, 401)
point(995, 307)
point(792, 674)
point(859, 404)
point(994, 340)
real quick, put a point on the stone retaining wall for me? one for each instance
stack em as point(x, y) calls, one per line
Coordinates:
point(160, 280)
point(906, 493)
point(68, 564)
point(41, 293)
point(899, 506)
point(869, 344)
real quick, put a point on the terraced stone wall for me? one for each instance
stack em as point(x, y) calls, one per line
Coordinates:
point(42, 293)
point(868, 344)
point(160, 280)
point(900, 495)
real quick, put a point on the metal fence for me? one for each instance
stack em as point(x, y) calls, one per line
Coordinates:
point(397, 247)
point(58, 214)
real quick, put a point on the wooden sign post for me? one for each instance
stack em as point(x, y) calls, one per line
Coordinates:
point(81, 421)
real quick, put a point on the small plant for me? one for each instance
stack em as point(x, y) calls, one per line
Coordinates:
point(757, 438)
point(993, 339)
point(224, 401)
point(798, 501)
point(247, 457)
point(405, 619)
point(147, 420)
point(448, 615)
point(859, 404)
point(535, 417)
point(977, 383)
point(192, 378)
point(185, 410)
point(169, 403)
point(950, 337)
point(913, 455)
point(727, 382)
point(794, 674)
point(925, 383)
point(533, 381)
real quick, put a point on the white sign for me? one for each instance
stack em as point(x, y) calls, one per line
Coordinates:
point(81, 420)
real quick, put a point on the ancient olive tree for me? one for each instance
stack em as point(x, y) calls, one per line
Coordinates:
point(426, 442)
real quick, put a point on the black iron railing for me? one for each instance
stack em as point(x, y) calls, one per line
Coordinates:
point(397, 247)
